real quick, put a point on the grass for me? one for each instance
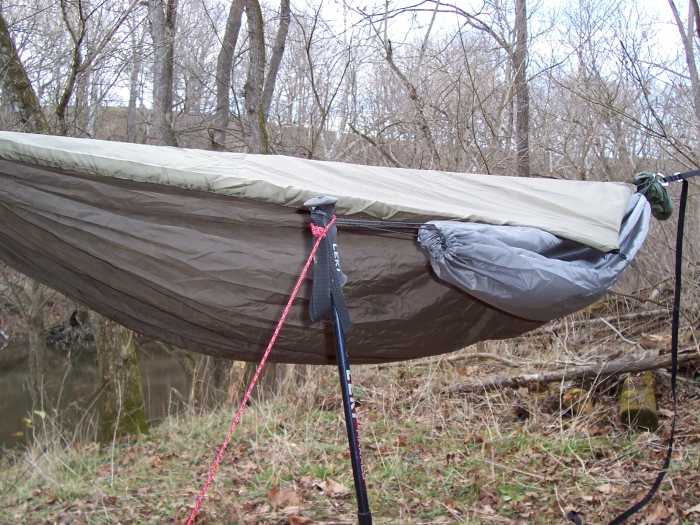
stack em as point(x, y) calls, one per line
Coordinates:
point(430, 457)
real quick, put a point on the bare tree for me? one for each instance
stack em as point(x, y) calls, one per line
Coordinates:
point(162, 23)
point(276, 56)
point(411, 89)
point(687, 37)
point(259, 86)
point(137, 37)
point(522, 91)
point(224, 66)
point(28, 298)
point(16, 85)
point(77, 21)
point(258, 141)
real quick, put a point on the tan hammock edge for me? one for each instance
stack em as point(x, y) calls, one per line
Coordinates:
point(117, 227)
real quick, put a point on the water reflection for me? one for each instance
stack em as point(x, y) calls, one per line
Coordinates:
point(164, 388)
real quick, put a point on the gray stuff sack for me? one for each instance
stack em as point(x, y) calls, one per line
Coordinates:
point(528, 272)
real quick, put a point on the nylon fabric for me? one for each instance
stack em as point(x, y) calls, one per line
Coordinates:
point(584, 211)
point(656, 194)
point(528, 272)
point(211, 273)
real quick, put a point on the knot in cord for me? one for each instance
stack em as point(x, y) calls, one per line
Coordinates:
point(319, 231)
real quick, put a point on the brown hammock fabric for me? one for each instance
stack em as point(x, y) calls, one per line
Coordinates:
point(212, 273)
point(201, 249)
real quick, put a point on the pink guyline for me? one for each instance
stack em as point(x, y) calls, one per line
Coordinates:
point(319, 232)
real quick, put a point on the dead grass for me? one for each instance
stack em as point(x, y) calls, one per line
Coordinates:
point(501, 457)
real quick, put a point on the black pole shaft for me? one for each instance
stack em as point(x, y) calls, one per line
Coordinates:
point(364, 515)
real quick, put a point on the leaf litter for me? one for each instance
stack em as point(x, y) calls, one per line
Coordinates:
point(430, 457)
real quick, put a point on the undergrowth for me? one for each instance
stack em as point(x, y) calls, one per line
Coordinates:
point(430, 457)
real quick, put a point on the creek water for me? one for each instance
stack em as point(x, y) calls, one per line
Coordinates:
point(71, 391)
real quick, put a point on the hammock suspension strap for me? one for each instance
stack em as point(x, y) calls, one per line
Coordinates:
point(675, 326)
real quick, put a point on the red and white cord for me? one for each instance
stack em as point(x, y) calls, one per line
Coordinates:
point(319, 232)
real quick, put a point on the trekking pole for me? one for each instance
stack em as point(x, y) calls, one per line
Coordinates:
point(327, 295)
point(364, 515)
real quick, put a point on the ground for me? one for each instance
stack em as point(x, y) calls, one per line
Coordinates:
point(430, 456)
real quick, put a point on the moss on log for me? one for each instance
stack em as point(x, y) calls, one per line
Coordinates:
point(121, 402)
point(638, 403)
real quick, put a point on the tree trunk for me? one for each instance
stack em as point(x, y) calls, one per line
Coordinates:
point(62, 105)
point(16, 84)
point(687, 39)
point(38, 349)
point(121, 403)
point(276, 58)
point(253, 91)
point(132, 124)
point(162, 14)
point(224, 66)
point(522, 92)
point(274, 374)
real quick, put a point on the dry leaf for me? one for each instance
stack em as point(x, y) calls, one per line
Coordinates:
point(51, 499)
point(65, 518)
point(658, 513)
point(696, 509)
point(282, 498)
point(306, 480)
point(677, 454)
point(594, 430)
point(299, 520)
point(155, 462)
point(608, 489)
point(249, 465)
point(616, 473)
point(656, 342)
point(333, 488)
point(251, 519)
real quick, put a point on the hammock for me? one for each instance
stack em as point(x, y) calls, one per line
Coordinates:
point(201, 249)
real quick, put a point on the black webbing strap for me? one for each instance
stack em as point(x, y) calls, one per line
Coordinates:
point(675, 325)
point(327, 277)
point(682, 176)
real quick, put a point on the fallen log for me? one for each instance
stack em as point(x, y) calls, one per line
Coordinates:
point(601, 371)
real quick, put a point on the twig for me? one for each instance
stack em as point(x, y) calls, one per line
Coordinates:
point(460, 357)
point(628, 341)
